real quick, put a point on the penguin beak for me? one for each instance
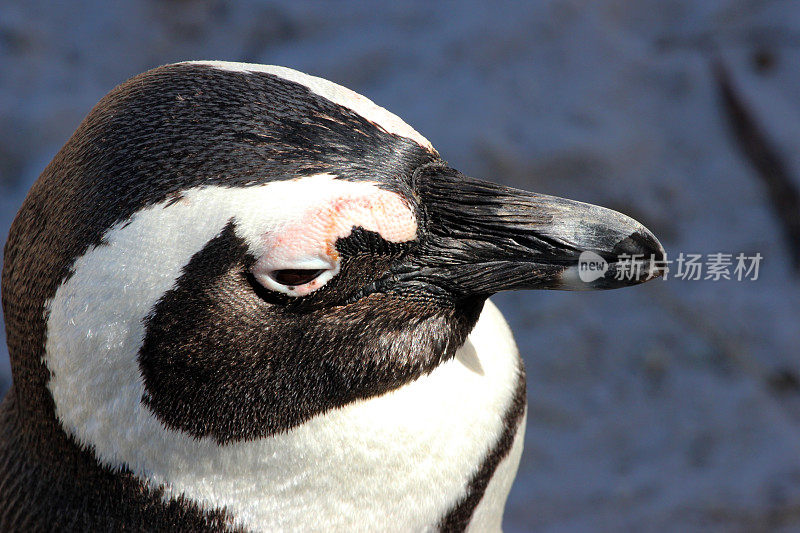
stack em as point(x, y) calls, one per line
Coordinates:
point(481, 238)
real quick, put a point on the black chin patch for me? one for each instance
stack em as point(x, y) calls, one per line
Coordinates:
point(221, 360)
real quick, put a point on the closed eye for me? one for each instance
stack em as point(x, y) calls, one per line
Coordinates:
point(294, 276)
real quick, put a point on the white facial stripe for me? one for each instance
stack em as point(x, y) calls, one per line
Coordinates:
point(333, 92)
point(305, 216)
point(328, 210)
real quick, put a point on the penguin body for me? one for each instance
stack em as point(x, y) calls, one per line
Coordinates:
point(244, 298)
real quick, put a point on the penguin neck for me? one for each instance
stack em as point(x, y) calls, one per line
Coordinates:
point(416, 447)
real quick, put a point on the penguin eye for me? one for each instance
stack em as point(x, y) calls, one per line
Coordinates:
point(295, 276)
point(300, 279)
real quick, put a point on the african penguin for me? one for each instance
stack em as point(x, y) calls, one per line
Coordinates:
point(245, 298)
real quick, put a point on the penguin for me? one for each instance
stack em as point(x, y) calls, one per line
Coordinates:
point(243, 298)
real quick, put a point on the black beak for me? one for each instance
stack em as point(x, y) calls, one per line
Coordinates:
point(480, 238)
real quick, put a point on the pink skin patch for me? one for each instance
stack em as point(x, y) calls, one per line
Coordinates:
point(309, 243)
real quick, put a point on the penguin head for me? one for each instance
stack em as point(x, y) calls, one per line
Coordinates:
point(229, 250)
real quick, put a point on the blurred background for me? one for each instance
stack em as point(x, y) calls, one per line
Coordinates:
point(670, 406)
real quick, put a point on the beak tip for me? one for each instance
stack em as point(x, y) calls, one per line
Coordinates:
point(635, 259)
point(641, 243)
point(640, 258)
